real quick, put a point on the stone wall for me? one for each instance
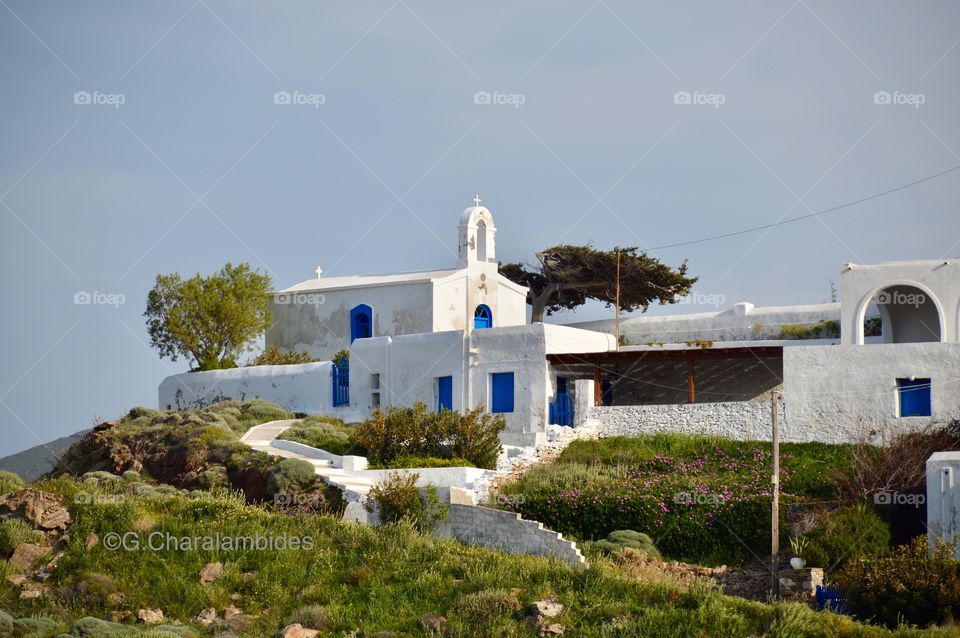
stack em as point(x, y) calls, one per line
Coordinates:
point(506, 532)
point(743, 420)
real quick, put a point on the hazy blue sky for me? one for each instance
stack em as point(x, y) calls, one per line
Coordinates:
point(199, 166)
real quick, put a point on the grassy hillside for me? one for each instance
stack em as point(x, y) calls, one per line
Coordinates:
point(355, 578)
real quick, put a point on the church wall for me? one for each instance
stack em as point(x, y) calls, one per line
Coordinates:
point(319, 322)
point(450, 305)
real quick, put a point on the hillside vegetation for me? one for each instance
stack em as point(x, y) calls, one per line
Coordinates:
point(352, 580)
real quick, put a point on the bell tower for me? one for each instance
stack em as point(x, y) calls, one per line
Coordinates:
point(477, 235)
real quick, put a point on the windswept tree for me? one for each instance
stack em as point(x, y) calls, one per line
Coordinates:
point(568, 276)
point(212, 320)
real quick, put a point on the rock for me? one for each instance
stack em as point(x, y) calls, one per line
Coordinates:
point(91, 541)
point(42, 510)
point(115, 598)
point(52, 563)
point(210, 573)
point(553, 629)
point(150, 616)
point(547, 608)
point(119, 616)
point(206, 617)
point(32, 590)
point(26, 555)
point(296, 630)
point(231, 612)
point(17, 580)
point(432, 622)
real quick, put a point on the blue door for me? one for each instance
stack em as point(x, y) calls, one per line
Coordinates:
point(361, 322)
point(561, 410)
point(444, 393)
point(501, 392)
point(482, 317)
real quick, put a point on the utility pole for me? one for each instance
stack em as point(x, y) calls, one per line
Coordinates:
point(618, 299)
point(775, 504)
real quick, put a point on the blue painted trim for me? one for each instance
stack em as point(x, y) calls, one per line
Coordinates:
point(361, 322)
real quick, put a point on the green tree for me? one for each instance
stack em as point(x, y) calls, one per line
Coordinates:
point(212, 320)
point(568, 276)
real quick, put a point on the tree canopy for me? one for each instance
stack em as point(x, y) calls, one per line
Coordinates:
point(567, 276)
point(212, 320)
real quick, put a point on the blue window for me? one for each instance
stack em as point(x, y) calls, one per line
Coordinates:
point(444, 393)
point(482, 317)
point(361, 322)
point(914, 397)
point(501, 392)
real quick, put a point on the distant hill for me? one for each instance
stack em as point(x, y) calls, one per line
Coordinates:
point(33, 463)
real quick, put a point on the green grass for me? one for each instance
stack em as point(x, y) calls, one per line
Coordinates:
point(370, 580)
point(325, 433)
point(811, 466)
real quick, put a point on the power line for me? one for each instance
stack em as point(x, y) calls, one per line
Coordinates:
point(809, 215)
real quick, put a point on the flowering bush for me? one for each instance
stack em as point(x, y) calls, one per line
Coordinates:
point(710, 507)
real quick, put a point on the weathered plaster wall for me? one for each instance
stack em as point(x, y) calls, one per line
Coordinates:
point(943, 498)
point(299, 388)
point(742, 322)
point(507, 532)
point(319, 322)
point(841, 393)
point(939, 280)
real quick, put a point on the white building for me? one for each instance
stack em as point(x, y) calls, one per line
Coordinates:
point(883, 358)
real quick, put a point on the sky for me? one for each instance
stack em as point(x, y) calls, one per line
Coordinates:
point(153, 137)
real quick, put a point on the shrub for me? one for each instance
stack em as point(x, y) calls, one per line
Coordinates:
point(627, 538)
point(398, 498)
point(846, 534)
point(419, 431)
point(323, 433)
point(311, 616)
point(907, 584)
point(290, 475)
point(273, 356)
point(14, 531)
point(483, 606)
point(426, 461)
point(341, 357)
point(9, 481)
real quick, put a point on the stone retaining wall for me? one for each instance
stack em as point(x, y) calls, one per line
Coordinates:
point(743, 420)
point(506, 532)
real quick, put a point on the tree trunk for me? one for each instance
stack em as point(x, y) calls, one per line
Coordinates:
point(540, 302)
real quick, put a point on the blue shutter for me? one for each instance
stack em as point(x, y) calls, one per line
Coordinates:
point(444, 393)
point(501, 391)
point(914, 397)
point(361, 322)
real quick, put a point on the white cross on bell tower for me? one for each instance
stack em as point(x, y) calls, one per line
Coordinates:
point(476, 200)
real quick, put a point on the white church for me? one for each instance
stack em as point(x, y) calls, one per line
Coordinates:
point(884, 358)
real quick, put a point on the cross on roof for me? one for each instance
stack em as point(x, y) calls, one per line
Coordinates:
point(476, 200)
point(319, 272)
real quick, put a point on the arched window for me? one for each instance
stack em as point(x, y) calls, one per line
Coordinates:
point(361, 322)
point(482, 241)
point(482, 317)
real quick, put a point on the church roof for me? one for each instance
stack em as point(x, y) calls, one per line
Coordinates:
point(359, 281)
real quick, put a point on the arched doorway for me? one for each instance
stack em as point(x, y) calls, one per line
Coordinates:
point(361, 322)
point(908, 314)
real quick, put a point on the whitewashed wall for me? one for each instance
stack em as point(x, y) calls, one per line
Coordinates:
point(842, 393)
point(319, 322)
point(304, 387)
point(740, 420)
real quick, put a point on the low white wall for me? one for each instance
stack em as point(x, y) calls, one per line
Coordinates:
point(943, 498)
point(304, 387)
point(463, 477)
point(844, 393)
point(506, 532)
point(741, 420)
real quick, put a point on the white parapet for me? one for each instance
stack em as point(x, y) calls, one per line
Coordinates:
point(943, 498)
